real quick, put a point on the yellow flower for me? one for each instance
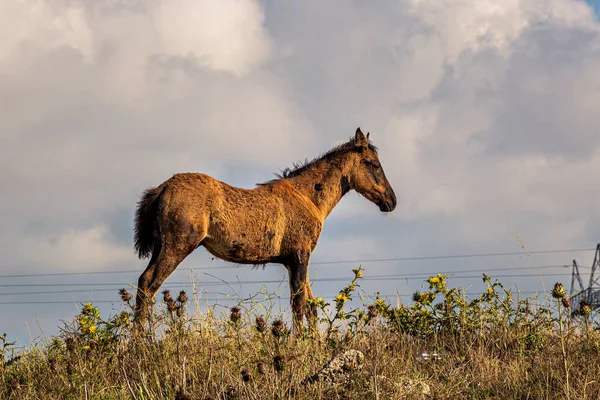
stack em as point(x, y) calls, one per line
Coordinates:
point(490, 290)
point(341, 297)
point(86, 347)
point(319, 299)
point(93, 328)
point(359, 274)
point(434, 279)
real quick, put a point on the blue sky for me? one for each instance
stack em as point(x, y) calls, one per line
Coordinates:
point(595, 4)
point(486, 118)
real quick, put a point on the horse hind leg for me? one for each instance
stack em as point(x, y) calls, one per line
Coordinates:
point(171, 254)
point(142, 299)
point(168, 261)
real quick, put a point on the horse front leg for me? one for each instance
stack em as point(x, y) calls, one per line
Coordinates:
point(298, 269)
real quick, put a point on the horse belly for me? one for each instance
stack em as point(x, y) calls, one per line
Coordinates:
point(243, 247)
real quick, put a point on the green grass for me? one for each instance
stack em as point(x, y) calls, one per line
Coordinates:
point(491, 347)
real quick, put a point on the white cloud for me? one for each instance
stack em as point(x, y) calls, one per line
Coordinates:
point(225, 35)
point(109, 98)
point(40, 25)
point(77, 251)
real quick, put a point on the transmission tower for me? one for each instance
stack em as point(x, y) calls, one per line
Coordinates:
point(591, 294)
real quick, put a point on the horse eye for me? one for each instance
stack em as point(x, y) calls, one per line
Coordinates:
point(373, 164)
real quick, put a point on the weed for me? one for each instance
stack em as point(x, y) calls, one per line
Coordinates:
point(442, 344)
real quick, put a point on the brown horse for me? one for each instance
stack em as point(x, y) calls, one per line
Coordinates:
point(279, 221)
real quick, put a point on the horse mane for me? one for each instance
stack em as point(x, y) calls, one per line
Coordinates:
point(303, 166)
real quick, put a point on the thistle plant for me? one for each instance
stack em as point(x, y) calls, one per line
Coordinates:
point(559, 293)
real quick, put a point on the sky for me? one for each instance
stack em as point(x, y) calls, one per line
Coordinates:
point(486, 116)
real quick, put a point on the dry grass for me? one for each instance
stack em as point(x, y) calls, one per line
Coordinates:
point(491, 347)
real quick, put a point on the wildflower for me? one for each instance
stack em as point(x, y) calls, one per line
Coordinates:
point(490, 290)
point(260, 367)
point(416, 297)
point(372, 311)
point(167, 296)
point(84, 321)
point(584, 308)
point(125, 295)
point(319, 300)
point(566, 302)
point(93, 328)
point(172, 306)
point(278, 328)
point(278, 363)
point(434, 280)
point(182, 298)
point(357, 272)
point(88, 309)
point(341, 298)
point(236, 315)
point(245, 375)
point(86, 347)
point(426, 298)
point(122, 319)
point(261, 324)
point(558, 291)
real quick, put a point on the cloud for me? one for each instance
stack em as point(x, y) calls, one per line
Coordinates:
point(107, 99)
point(73, 251)
point(226, 36)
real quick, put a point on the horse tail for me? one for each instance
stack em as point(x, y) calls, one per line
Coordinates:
point(146, 229)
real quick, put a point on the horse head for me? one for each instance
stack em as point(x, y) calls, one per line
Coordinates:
point(368, 177)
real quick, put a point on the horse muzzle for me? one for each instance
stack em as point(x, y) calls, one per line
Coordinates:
point(389, 204)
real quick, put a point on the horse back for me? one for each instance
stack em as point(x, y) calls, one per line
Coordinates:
point(240, 225)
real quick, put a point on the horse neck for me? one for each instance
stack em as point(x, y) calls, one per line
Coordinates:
point(325, 184)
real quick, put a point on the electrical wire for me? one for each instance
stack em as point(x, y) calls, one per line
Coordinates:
point(332, 262)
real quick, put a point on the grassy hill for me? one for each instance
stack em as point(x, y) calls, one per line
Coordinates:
point(442, 345)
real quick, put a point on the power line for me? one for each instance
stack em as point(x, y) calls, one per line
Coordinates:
point(371, 278)
point(115, 289)
point(457, 256)
point(332, 262)
point(381, 277)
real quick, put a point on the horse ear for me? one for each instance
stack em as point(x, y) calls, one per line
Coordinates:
point(360, 140)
